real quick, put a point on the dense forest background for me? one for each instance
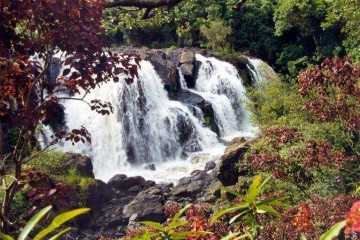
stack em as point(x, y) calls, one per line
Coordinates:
point(309, 117)
point(289, 35)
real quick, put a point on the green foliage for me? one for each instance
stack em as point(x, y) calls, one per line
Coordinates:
point(20, 205)
point(56, 223)
point(216, 35)
point(51, 162)
point(287, 34)
point(169, 232)
point(252, 205)
point(277, 103)
point(124, 26)
point(334, 231)
point(236, 236)
point(345, 14)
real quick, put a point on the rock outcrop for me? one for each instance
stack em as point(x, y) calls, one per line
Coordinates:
point(124, 201)
point(167, 61)
point(82, 164)
point(192, 187)
point(147, 206)
point(232, 163)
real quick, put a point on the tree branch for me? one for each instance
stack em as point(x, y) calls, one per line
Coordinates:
point(142, 3)
point(239, 4)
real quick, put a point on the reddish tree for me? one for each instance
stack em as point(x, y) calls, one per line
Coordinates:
point(334, 94)
point(42, 28)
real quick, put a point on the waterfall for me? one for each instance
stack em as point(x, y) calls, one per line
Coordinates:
point(261, 72)
point(219, 83)
point(147, 127)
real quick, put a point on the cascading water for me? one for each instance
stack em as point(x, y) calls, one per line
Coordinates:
point(147, 127)
point(261, 72)
point(219, 83)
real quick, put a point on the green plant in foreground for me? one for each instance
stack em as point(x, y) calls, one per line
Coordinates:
point(56, 222)
point(251, 206)
point(169, 232)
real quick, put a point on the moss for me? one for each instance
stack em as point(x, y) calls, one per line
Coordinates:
point(51, 163)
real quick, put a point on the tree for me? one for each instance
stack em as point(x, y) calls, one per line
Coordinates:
point(32, 32)
point(333, 95)
point(216, 35)
point(345, 14)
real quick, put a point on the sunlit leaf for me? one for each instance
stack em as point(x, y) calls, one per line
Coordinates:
point(59, 220)
point(33, 221)
point(333, 231)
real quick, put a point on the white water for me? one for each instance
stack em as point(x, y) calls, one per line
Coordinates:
point(219, 83)
point(261, 72)
point(146, 127)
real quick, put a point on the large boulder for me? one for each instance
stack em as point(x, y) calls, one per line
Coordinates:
point(83, 164)
point(194, 100)
point(123, 183)
point(147, 205)
point(187, 56)
point(193, 186)
point(111, 217)
point(166, 69)
point(187, 69)
point(232, 163)
point(210, 165)
point(98, 194)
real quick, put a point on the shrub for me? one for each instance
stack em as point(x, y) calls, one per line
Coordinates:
point(310, 218)
point(51, 162)
point(216, 35)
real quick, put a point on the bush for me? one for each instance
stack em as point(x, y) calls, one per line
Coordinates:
point(216, 35)
point(51, 162)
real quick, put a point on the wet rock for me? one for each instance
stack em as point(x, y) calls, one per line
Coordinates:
point(166, 70)
point(185, 136)
point(148, 205)
point(115, 181)
point(210, 166)
point(52, 73)
point(190, 190)
point(150, 166)
point(122, 183)
point(110, 222)
point(149, 184)
point(135, 189)
point(111, 215)
point(187, 56)
point(184, 181)
point(232, 163)
point(193, 186)
point(199, 175)
point(187, 70)
point(83, 164)
point(195, 100)
point(98, 194)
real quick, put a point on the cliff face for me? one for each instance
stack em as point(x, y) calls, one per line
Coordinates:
point(167, 61)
